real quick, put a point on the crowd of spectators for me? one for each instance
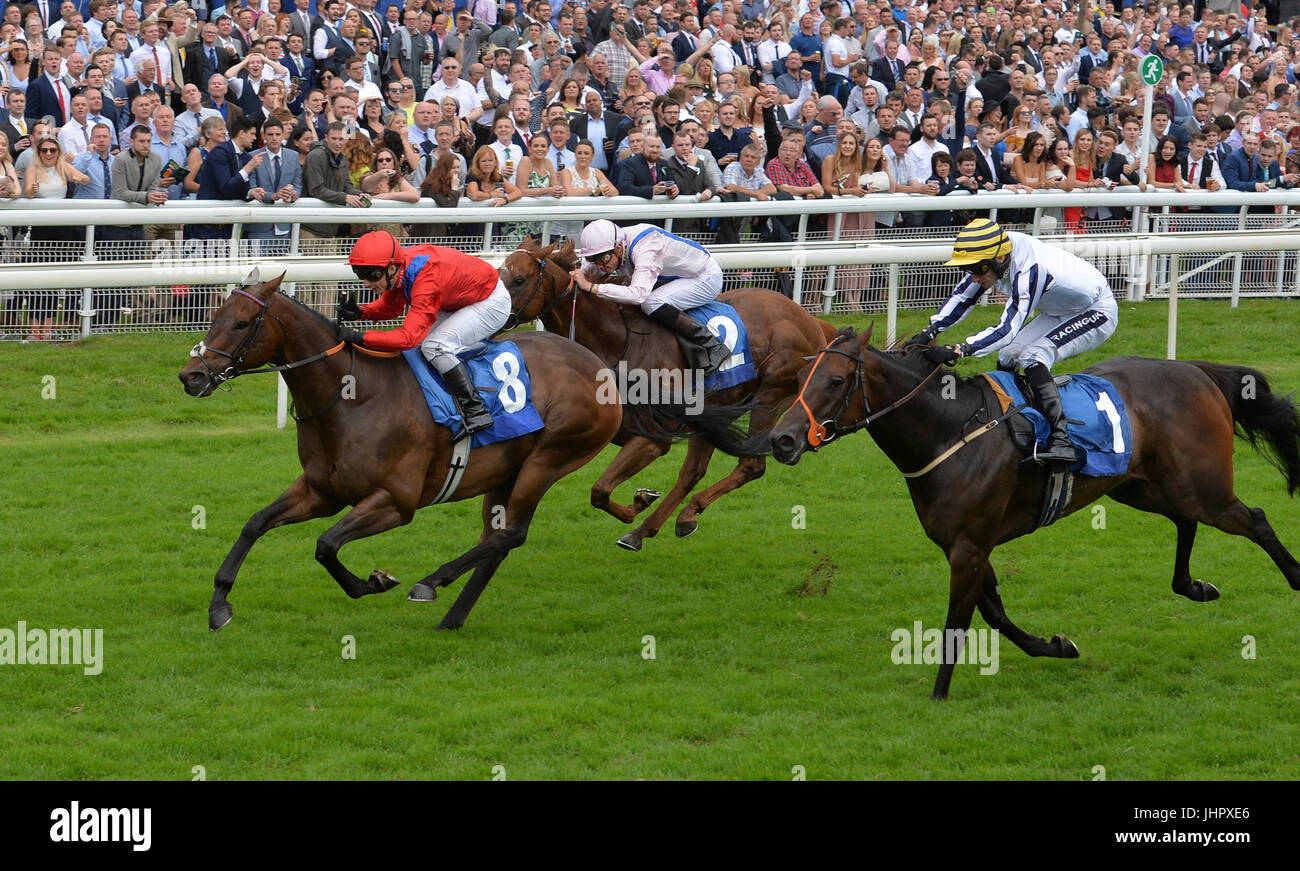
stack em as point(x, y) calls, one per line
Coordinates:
point(493, 101)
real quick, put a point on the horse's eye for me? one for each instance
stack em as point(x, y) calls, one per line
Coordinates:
point(242, 325)
point(519, 279)
point(836, 381)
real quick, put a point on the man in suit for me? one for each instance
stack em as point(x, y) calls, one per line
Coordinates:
point(643, 175)
point(277, 180)
point(300, 66)
point(888, 70)
point(14, 126)
point(996, 84)
point(206, 59)
point(226, 172)
point(685, 169)
point(181, 41)
point(1161, 126)
point(990, 174)
point(146, 79)
point(1200, 169)
point(302, 22)
point(47, 94)
point(1243, 170)
point(607, 128)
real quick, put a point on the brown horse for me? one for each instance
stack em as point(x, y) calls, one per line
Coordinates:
point(781, 334)
point(1182, 417)
point(381, 451)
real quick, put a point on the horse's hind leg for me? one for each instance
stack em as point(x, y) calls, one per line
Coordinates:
point(1144, 497)
point(698, 454)
point(495, 508)
point(298, 503)
point(637, 453)
point(990, 605)
point(747, 469)
point(1251, 523)
point(374, 514)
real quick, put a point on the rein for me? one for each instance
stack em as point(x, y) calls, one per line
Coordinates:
point(829, 430)
point(236, 358)
point(546, 309)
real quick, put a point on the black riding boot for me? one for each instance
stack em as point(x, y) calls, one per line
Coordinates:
point(472, 411)
point(1048, 401)
point(711, 353)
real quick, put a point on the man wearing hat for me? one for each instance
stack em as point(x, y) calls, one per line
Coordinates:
point(1076, 313)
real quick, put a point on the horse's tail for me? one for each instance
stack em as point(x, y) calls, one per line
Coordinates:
point(726, 427)
point(1269, 421)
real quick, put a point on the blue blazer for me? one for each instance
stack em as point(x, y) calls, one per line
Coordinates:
point(41, 101)
point(263, 177)
point(306, 70)
point(1237, 174)
point(219, 179)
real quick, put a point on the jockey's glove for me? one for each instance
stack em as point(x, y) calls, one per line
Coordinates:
point(349, 310)
point(925, 337)
point(946, 353)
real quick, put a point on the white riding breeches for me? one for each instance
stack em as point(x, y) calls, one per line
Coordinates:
point(1048, 339)
point(453, 332)
point(686, 293)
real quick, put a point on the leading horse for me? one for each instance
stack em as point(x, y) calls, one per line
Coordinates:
point(1182, 416)
point(379, 449)
point(781, 334)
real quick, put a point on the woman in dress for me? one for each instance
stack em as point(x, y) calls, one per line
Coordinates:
point(706, 112)
point(464, 141)
point(18, 65)
point(537, 178)
point(581, 180)
point(11, 186)
point(745, 85)
point(1014, 138)
point(1030, 166)
point(1163, 169)
point(841, 174)
point(705, 73)
point(570, 97)
point(47, 178)
point(1084, 158)
point(372, 119)
point(212, 132)
point(633, 85)
point(386, 183)
point(361, 157)
point(930, 54)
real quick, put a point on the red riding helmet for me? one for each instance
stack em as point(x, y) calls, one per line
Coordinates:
point(373, 254)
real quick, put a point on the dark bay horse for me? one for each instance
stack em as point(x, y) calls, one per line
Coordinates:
point(1182, 415)
point(781, 334)
point(379, 449)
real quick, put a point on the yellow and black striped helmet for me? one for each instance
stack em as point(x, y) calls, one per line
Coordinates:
point(979, 240)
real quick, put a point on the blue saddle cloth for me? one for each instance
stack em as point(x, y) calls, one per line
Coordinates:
point(1104, 440)
point(730, 330)
point(501, 376)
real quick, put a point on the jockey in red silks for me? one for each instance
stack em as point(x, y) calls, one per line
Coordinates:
point(453, 302)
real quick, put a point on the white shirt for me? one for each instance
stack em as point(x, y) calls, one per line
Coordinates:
point(187, 126)
point(320, 43)
point(74, 138)
point(725, 59)
point(508, 158)
point(771, 54)
point(164, 59)
point(467, 96)
point(835, 46)
point(919, 155)
point(1196, 170)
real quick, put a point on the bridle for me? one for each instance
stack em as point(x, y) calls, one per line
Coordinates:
point(236, 358)
point(830, 429)
point(513, 321)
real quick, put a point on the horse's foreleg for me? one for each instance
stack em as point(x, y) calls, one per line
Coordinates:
point(374, 514)
point(698, 454)
point(298, 503)
point(991, 609)
point(1251, 523)
point(747, 469)
point(966, 563)
point(495, 516)
point(635, 455)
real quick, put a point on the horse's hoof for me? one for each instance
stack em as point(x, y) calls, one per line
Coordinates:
point(444, 626)
point(631, 541)
point(422, 592)
point(645, 497)
point(687, 528)
point(219, 616)
point(1067, 647)
point(383, 580)
point(1209, 591)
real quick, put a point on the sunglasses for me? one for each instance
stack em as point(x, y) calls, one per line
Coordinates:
point(49, 151)
point(981, 268)
point(368, 273)
point(602, 259)
point(383, 160)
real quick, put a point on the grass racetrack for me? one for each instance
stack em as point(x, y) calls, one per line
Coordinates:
point(771, 643)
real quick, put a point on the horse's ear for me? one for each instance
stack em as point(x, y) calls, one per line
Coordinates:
point(865, 339)
point(266, 289)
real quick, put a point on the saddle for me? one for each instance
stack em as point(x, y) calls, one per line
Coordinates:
point(1059, 485)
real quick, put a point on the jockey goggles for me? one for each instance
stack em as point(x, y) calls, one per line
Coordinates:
point(369, 273)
